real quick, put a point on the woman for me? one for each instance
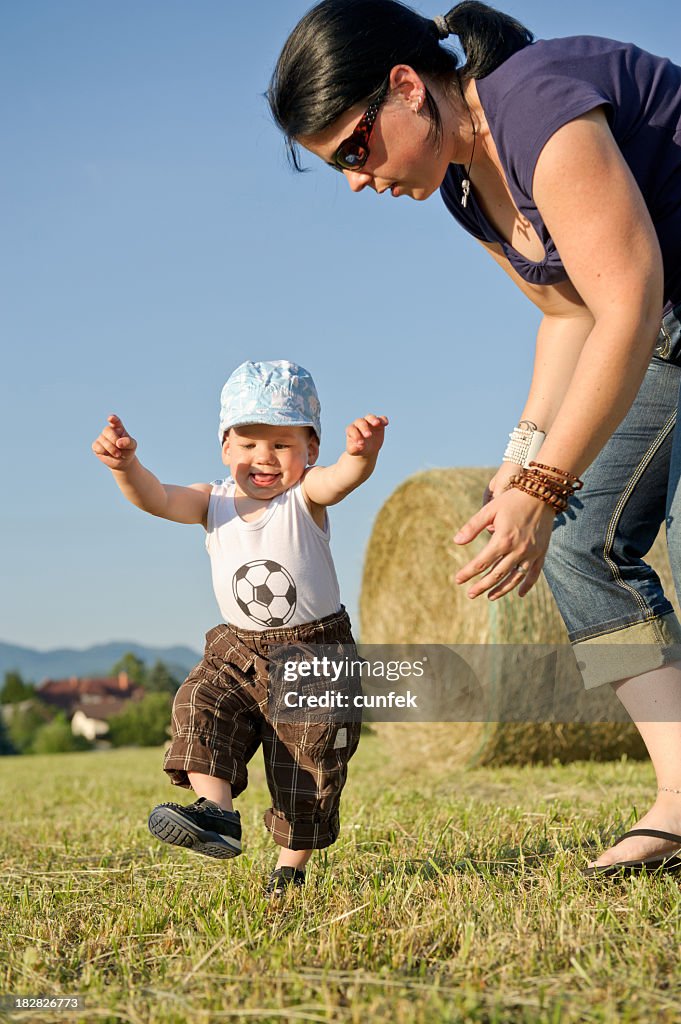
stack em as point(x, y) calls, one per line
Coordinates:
point(563, 158)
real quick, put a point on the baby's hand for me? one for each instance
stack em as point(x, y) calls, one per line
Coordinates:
point(365, 435)
point(114, 446)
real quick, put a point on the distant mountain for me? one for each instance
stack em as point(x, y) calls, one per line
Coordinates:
point(63, 662)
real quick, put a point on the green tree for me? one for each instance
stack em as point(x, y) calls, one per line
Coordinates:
point(143, 723)
point(6, 745)
point(134, 666)
point(23, 725)
point(55, 737)
point(15, 689)
point(161, 680)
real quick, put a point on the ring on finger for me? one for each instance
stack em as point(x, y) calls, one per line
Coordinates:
point(521, 569)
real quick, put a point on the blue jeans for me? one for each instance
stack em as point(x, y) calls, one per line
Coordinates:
point(618, 618)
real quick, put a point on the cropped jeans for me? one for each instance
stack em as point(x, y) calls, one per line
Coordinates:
point(618, 618)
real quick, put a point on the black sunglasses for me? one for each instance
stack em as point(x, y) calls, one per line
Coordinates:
point(353, 152)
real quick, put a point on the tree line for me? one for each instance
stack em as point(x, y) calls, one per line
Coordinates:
point(28, 725)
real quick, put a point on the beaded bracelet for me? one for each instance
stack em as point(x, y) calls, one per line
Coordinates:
point(556, 503)
point(537, 480)
point(577, 484)
point(561, 485)
point(558, 500)
point(557, 486)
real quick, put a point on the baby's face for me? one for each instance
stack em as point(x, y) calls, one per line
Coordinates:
point(265, 461)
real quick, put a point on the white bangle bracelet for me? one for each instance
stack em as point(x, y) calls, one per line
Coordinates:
point(524, 444)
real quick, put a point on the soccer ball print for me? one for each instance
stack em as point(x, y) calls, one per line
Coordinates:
point(265, 592)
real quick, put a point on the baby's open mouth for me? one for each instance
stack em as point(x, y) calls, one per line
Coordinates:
point(264, 479)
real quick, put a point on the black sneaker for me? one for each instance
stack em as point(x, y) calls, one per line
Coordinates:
point(202, 826)
point(282, 880)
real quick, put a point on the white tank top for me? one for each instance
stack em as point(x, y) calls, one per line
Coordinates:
point(274, 571)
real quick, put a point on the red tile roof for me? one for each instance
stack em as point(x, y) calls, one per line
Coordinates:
point(70, 693)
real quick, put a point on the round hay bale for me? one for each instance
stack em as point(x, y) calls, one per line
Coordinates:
point(409, 597)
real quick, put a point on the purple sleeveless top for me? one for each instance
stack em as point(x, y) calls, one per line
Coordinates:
point(545, 85)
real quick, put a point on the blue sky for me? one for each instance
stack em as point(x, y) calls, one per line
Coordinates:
point(153, 237)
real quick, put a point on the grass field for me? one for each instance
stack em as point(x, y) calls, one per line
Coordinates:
point(450, 896)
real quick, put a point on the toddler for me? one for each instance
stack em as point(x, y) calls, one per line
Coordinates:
point(267, 535)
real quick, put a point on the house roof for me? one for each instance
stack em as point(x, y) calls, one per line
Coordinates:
point(69, 693)
point(101, 710)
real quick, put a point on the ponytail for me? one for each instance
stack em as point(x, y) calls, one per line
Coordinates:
point(487, 36)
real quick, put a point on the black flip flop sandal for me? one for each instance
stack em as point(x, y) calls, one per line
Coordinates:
point(636, 867)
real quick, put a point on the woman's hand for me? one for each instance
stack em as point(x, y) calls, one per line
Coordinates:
point(521, 526)
point(498, 483)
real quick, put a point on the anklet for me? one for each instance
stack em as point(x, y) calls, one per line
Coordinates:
point(666, 789)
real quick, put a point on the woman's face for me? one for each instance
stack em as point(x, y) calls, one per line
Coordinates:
point(402, 160)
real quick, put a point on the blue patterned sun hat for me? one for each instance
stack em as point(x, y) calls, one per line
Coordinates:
point(278, 393)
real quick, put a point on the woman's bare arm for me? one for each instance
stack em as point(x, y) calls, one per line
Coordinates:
point(597, 217)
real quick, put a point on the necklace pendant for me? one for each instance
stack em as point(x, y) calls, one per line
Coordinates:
point(465, 192)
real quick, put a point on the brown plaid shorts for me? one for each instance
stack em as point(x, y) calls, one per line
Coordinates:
point(221, 717)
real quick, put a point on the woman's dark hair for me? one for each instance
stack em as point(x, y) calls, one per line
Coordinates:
point(342, 51)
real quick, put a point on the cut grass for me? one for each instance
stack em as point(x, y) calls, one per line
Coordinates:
point(449, 897)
